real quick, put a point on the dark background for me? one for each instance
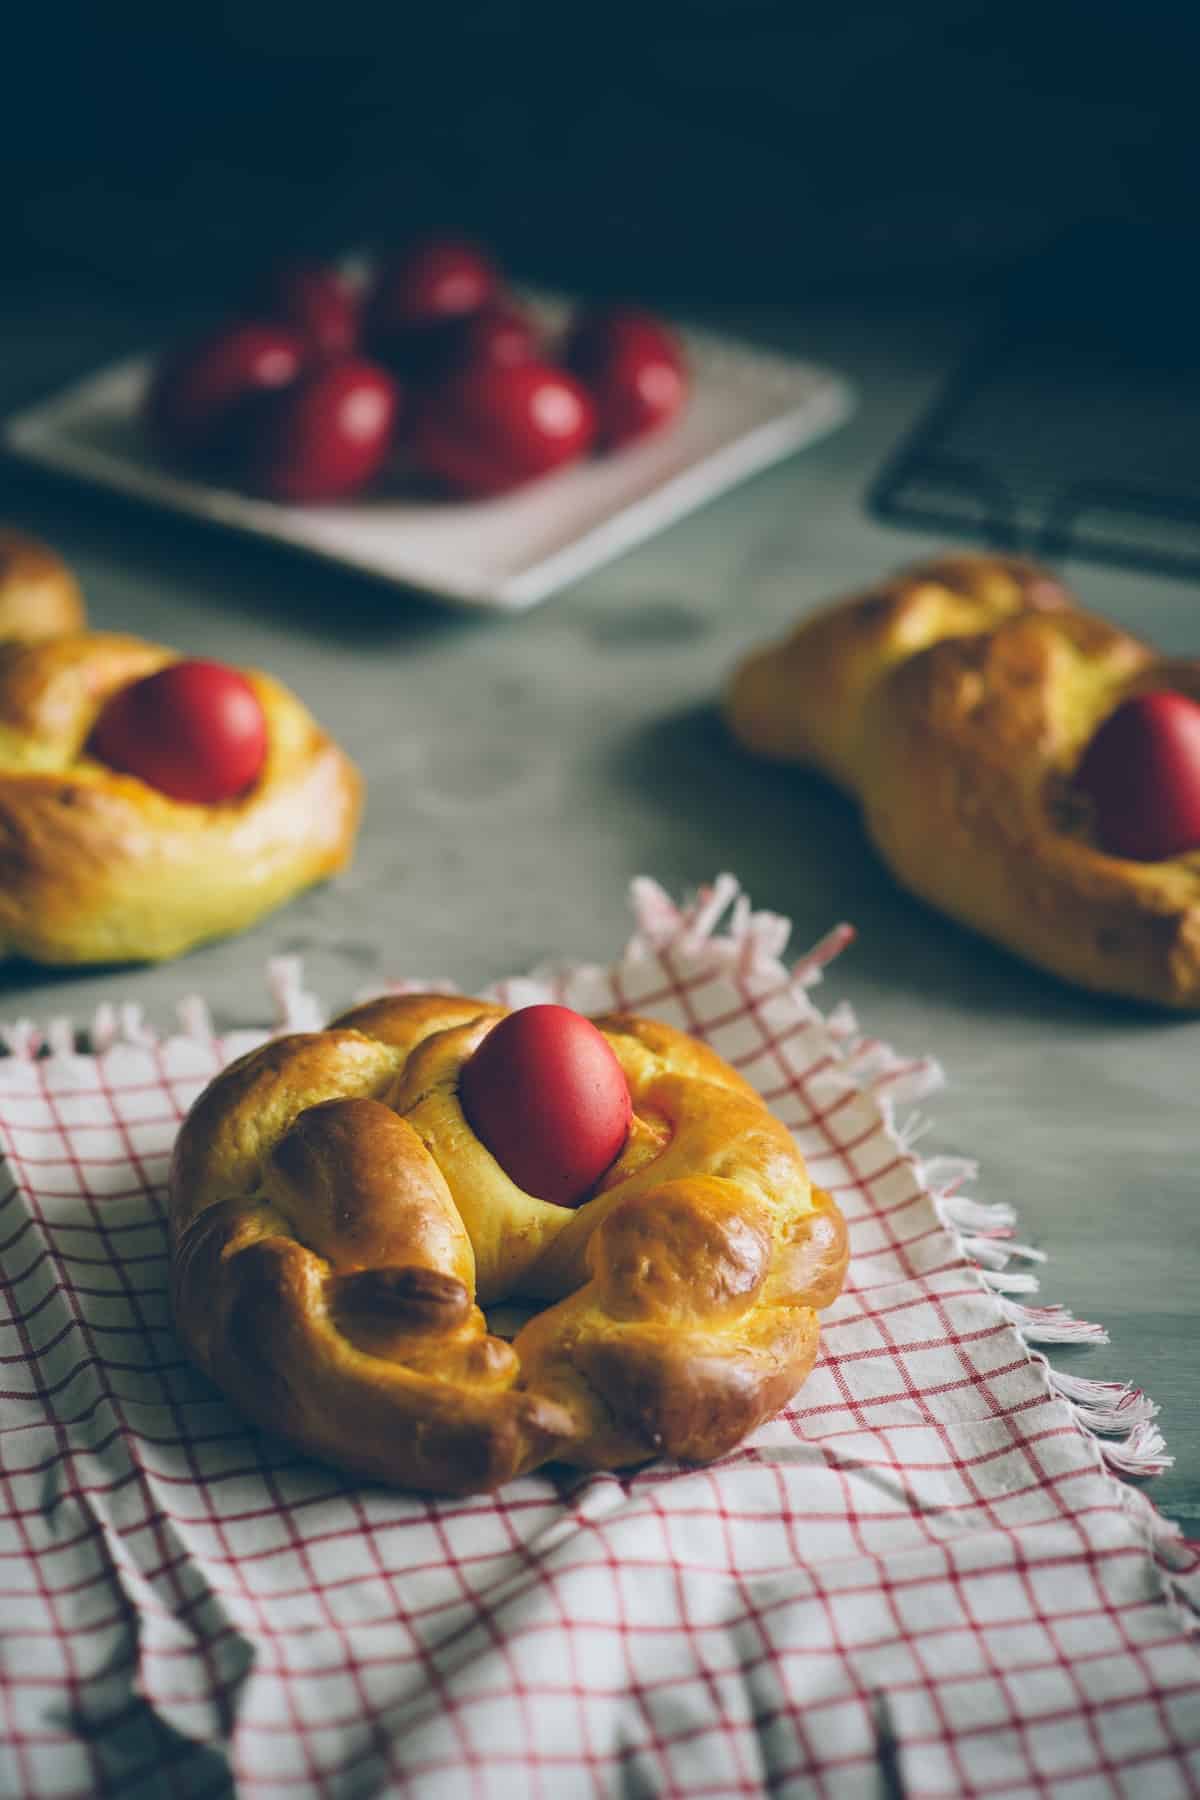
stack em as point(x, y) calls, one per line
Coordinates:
point(721, 149)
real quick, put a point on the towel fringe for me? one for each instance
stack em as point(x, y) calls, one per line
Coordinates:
point(295, 1008)
point(1050, 1324)
point(1110, 1408)
point(993, 1254)
point(1143, 1453)
point(982, 1218)
point(1120, 1417)
point(21, 1038)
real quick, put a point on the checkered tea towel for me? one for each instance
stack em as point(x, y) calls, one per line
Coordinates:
point(925, 1578)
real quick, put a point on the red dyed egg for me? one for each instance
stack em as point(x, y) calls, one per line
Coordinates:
point(431, 282)
point(421, 299)
point(1141, 772)
point(194, 730)
point(493, 427)
point(548, 1097)
point(199, 394)
point(314, 300)
point(326, 436)
point(634, 369)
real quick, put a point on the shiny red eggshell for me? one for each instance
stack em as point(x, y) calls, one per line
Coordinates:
point(1141, 773)
point(430, 282)
point(549, 1099)
point(493, 427)
point(634, 368)
point(195, 730)
point(326, 436)
point(200, 391)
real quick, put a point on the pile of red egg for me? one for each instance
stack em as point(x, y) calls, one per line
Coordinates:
point(309, 393)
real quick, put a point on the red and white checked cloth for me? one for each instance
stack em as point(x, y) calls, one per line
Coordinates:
point(924, 1578)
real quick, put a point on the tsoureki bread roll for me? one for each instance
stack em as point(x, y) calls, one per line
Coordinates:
point(147, 802)
point(342, 1203)
point(1022, 764)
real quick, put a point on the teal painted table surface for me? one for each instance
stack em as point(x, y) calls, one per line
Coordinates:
point(521, 770)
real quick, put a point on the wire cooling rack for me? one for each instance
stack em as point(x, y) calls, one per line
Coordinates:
point(1072, 429)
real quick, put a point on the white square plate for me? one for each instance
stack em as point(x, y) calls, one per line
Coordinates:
point(748, 408)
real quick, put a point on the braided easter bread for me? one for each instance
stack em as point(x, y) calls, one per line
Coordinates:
point(957, 700)
point(39, 596)
point(98, 866)
point(336, 1223)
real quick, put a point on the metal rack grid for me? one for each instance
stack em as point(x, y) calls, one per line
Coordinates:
point(1072, 429)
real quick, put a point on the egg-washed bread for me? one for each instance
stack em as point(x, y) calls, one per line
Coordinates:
point(955, 701)
point(336, 1225)
point(97, 866)
point(39, 596)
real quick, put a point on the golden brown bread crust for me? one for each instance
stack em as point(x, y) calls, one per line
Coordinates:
point(39, 596)
point(956, 701)
point(335, 1220)
point(96, 866)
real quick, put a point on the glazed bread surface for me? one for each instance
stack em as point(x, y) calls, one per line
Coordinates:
point(336, 1225)
point(39, 596)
